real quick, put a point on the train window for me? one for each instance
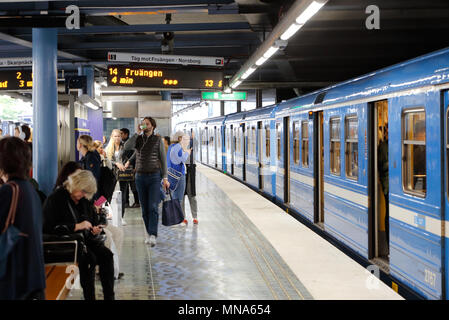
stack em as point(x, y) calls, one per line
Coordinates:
point(414, 151)
point(267, 141)
point(305, 143)
point(296, 142)
point(352, 145)
point(278, 141)
point(253, 141)
point(335, 146)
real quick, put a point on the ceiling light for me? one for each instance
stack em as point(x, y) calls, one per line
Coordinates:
point(261, 61)
point(309, 12)
point(118, 91)
point(270, 52)
point(248, 72)
point(236, 84)
point(227, 90)
point(291, 31)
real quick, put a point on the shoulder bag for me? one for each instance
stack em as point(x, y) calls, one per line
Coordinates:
point(10, 234)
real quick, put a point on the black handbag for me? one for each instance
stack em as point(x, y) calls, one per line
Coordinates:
point(172, 212)
point(127, 175)
point(10, 234)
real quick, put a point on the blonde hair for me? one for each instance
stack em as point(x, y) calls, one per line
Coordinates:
point(82, 180)
point(111, 145)
point(177, 135)
point(97, 144)
point(87, 142)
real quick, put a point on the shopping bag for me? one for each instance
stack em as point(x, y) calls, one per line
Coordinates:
point(172, 212)
point(173, 178)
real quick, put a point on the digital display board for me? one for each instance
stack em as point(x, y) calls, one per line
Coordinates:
point(154, 77)
point(16, 80)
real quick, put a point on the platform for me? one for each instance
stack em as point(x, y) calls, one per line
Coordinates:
point(244, 248)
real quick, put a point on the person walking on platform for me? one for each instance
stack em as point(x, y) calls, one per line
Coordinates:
point(190, 182)
point(128, 151)
point(115, 154)
point(177, 155)
point(90, 160)
point(22, 273)
point(151, 166)
point(69, 210)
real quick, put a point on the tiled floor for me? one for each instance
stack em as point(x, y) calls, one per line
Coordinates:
point(223, 257)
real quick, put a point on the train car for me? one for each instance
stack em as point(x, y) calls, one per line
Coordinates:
point(215, 142)
point(203, 141)
point(260, 124)
point(357, 159)
point(235, 126)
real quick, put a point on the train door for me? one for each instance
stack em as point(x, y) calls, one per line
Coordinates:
point(286, 144)
point(260, 153)
point(243, 140)
point(445, 217)
point(379, 208)
point(318, 152)
point(232, 146)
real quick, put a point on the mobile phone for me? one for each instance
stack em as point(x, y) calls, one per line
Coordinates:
point(100, 201)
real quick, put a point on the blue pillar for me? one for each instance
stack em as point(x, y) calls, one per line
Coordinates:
point(45, 112)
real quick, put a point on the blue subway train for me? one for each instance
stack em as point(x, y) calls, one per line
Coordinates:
point(365, 161)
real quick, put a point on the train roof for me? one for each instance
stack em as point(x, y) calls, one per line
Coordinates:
point(219, 120)
point(265, 112)
point(429, 69)
point(237, 116)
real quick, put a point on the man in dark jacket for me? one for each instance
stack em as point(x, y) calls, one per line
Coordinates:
point(151, 166)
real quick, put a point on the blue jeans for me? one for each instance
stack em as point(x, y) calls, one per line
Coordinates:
point(178, 193)
point(148, 186)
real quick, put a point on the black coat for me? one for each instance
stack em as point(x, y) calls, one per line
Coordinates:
point(25, 271)
point(58, 218)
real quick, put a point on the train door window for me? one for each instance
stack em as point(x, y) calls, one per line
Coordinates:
point(211, 137)
point(278, 141)
point(414, 151)
point(305, 143)
point(253, 141)
point(267, 141)
point(296, 142)
point(351, 152)
point(335, 146)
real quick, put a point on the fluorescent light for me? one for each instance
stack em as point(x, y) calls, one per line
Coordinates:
point(248, 72)
point(236, 84)
point(91, 105)
point(291, 31)
point(309, 12)
point(227, 90)
point(261, 61)
point(118, 91)
point(270, 52)
point(114, 118)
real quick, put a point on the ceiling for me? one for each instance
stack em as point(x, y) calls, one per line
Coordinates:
point(333, 46)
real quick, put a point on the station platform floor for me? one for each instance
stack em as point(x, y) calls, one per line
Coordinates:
point(244, 248)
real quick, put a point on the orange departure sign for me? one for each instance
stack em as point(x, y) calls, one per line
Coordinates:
point(16, 80)
point(153, 77)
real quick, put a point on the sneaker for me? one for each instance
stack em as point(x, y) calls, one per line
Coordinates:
point(124, 222)
point(184, 223)
point(195, 221)
point(152, 240)
point(135, 205)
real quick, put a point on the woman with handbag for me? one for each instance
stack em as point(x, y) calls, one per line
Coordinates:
point(22, 270)
point(177, 155)
point(69, 210)
point(115, 154)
